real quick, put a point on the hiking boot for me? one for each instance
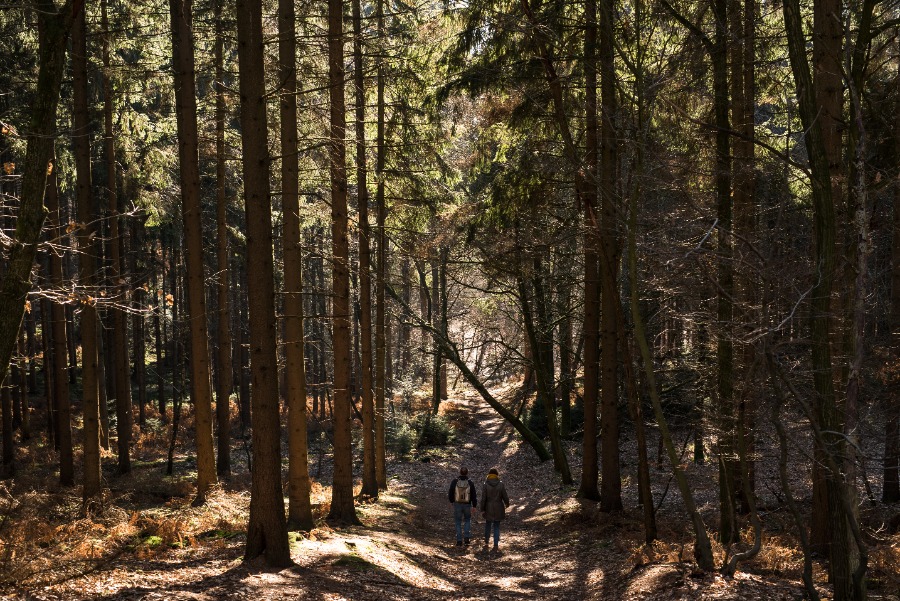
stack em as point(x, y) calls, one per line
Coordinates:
point(467, 542)
point(496, 549)
point(459, 543)
point(486, 543)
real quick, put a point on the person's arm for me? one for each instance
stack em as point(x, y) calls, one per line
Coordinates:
point(504, 496)
point(474, 494)
point(450, 492)
point(483, 498)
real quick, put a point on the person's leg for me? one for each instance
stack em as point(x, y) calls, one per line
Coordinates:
point(487, 532)
point(467, 514)
point(496, 534)
point(457, 518)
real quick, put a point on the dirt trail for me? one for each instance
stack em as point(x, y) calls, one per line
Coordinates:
point(525, 568)
point(554, 547)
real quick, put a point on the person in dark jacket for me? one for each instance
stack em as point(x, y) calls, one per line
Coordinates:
point(494, 502)
point(463, 498)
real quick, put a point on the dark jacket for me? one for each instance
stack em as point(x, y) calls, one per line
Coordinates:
point(451, 494)
point(494, 500)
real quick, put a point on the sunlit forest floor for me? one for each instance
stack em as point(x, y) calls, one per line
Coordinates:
point(149, 543)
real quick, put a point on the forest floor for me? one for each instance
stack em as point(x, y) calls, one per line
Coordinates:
point(152, 546)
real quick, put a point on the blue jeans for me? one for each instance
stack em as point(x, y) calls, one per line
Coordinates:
point(487, 531)
point(462, 511)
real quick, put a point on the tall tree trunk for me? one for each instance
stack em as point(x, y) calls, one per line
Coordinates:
point(815, 107)
point(299, 508)
point(189, 163)
point(226, 374)
point(828, 91)
point(90, 372)
point(728, 530)
point(119, 351)
point(53, 35)
point(743, 106)
point(62, 404)
point(267, 529)
point(370, 481)
point(381, 266)
point(342, 509)
point(591, 327)
point(611, 485)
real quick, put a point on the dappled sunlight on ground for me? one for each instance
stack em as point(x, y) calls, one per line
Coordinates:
point(553, 546)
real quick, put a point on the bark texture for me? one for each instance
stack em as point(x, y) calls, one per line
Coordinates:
point(267, 528)
point(189, 171)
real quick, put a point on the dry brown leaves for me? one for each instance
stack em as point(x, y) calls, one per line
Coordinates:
point(151, 544)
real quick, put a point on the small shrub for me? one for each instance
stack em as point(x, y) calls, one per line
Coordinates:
point(400, 437)
point(438, 431)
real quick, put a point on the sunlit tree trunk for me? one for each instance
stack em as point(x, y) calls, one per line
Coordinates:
point(370, 482)
point(267, 528)
point(299, 508)
point(189, 163)
point(380, 267)
point(342, 508)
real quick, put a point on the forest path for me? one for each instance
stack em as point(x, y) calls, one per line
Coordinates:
point(405, 548)
point(554, 547)
point(525, 568)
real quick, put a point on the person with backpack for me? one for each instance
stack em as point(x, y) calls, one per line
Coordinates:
point(494, 502)
point(463, 498)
